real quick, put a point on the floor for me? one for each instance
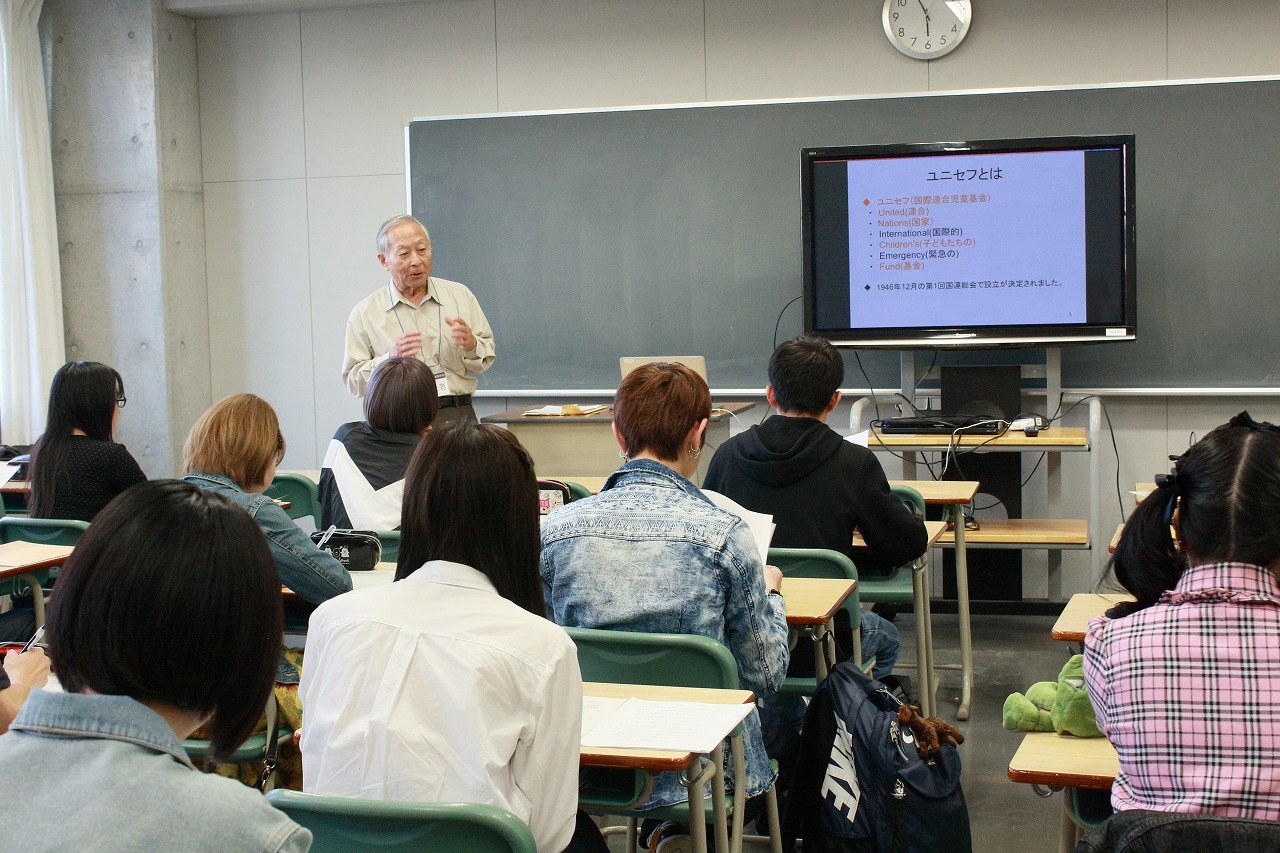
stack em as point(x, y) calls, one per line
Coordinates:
point(1010, 654)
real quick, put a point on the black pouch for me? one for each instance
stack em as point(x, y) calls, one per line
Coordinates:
point(358, 550)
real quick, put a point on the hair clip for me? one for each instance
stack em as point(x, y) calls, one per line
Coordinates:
point(1245, 420)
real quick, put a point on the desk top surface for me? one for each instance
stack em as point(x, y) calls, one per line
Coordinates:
point(933, 491)
point(652, 760)
point(16, 487)
point(517, 416)
point(935, 530)
point(1046, 758)
point(1082, 607)
point(1065, 437)
point(17, 558)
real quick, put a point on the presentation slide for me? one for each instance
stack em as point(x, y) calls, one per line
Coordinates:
point(967, 240)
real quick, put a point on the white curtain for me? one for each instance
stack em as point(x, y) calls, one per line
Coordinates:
point(31, 335)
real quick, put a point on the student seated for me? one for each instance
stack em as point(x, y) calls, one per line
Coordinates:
point(1187, 684)
point(651, 553)
point(76, 469)
point(450, 684)
point(167, 616)
point(362, 478)
point(818, 487)
point(233, 449)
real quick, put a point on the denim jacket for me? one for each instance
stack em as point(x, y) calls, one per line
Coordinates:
point(122, 782)
point(311, 573)
point(651, 553)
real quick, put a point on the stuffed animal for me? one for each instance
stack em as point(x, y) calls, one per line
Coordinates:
point(930, 732)
point(1062, 706)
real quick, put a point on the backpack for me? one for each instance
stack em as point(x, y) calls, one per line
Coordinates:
point(860, 785)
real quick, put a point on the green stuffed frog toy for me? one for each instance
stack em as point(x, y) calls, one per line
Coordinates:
point(1062, 706)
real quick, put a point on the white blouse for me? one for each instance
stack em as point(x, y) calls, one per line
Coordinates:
point(437, 689)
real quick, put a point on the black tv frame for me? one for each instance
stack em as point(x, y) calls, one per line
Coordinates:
point(930, 337)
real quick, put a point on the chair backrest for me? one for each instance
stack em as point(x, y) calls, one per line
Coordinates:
point(390, 540)
point(301, 492)
point(820, 563)
point(344, 825)
point(910, 497)
point(672, 660)
point(577, 491)
point(47, 531)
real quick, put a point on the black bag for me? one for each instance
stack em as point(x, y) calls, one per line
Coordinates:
point(358, 550)
point(861, 786)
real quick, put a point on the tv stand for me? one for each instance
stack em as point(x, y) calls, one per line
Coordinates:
point(1054, 534)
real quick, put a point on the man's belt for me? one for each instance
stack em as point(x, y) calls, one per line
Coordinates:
point(458, 400)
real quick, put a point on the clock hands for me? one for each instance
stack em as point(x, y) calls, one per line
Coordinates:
point(926, 17)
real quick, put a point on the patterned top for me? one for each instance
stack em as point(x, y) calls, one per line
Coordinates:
point(92, 473)
point(1188, 690)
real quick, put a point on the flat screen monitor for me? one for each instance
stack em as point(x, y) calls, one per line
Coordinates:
point(1008, 242)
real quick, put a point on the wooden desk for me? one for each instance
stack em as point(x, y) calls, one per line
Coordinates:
point(579, 446)
point(1045, 758)
point(15, 487)
point(1051, 439)
point(20, 561)
point(1082, 607)
point(658, 761)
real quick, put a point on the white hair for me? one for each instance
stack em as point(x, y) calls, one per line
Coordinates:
point(381, 240)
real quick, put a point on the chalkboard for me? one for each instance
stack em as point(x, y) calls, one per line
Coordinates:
point(588, 236)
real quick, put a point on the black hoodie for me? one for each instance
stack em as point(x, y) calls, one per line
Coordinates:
point(818, 488)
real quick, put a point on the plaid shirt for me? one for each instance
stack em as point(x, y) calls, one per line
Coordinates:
point(1188, 690)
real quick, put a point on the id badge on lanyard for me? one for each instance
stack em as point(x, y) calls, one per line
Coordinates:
point(442, 381)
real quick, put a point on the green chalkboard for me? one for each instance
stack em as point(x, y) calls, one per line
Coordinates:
point(588, 236)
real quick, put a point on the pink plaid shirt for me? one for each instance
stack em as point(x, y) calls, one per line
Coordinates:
point(1188, 690)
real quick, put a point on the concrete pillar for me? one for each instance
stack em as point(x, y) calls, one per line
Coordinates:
point(125, 122)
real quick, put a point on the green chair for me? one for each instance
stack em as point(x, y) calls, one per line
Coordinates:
point(577, 491)
point(672, 660)
point(253, 749)
point(909, 584)
point(345, 825)
point(390, 540)
point(299, 491)
point(46, 531)
point(822, 563)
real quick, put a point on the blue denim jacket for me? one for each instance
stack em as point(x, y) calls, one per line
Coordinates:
point(122, 782)
point(651, 553)
point(314, 575)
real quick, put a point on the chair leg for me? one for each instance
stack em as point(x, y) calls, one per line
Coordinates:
point(633, 832)
point(775, 825)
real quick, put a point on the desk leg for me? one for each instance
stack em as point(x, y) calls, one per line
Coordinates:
point(717, 801)
point(962, 593)
point(37, 597)
point(697, 788)
point(924, 640)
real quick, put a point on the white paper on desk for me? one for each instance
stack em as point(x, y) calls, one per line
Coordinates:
point(680, 726)
point(761, 525)
point(7, 473)
point(596, 708)
point(862, 439)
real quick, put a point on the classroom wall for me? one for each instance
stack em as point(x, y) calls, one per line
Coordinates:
point(302, 117)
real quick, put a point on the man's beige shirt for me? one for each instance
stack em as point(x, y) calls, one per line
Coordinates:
point(385, 315)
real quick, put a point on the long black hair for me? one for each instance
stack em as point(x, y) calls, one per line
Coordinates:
point(83, 396)
point(1226, 490)
point(471, 497)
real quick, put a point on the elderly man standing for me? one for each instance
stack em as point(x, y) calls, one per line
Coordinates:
point(417, 315)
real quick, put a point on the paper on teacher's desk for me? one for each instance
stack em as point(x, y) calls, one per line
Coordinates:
point(678, 726)
point(7, 473)
point(761, 525)
point(596, 708)
point(863, 439)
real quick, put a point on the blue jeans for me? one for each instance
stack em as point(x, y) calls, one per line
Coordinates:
point(881, 640)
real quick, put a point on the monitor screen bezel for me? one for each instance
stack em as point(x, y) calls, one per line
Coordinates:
point(928, 337)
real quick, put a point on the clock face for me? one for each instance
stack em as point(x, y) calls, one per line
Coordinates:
point(925, 29)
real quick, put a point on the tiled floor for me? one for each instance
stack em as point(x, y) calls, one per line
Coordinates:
point(1010, 654)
